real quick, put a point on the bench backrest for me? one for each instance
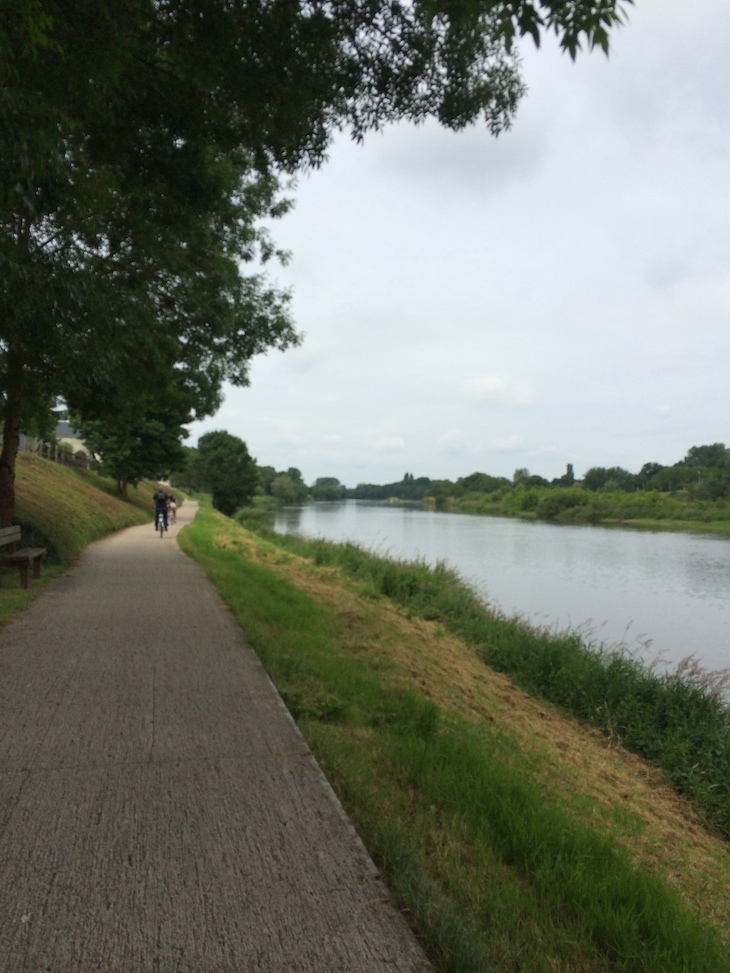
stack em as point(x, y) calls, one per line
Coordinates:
point(9, 535)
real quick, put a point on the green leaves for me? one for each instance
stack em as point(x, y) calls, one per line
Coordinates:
point(224, 466)
point(140, 149)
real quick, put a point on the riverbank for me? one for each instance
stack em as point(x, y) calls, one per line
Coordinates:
point(679, 719)
point(491, 814)
point(574, 505)
point(661, 594)
point(720, 527)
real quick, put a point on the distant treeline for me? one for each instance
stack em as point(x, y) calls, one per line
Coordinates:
point(409, 488)
point(703, 474)
point(696, 488)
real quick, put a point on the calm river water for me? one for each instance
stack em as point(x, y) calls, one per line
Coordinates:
point(661, 593)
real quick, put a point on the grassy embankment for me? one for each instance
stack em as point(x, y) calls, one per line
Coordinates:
point(574, 505)
point(517, 839)
point(514, 837)
point(64, 509)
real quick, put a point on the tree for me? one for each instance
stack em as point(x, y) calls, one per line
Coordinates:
point(289, 487)
point(148, 448)
point(267, 475)
point(678, 477)
point(482, 483)
point(190, 475)
point(124, 213)
point(85, 318)
point(598, 477)
point(140, 145)
point(227, 470)
point(138, 435)
point(328, 488)
point(645, 474)
point(595, 477)
point(567, 479)
point(535, 481)
point(441, 491)
point(714, 485)
point(714, 456)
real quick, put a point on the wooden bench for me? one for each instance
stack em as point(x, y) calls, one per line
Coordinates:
point(9, 537)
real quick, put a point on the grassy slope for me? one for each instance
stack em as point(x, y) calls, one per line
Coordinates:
point(515, 838)
point(676, 720)
point(63, 510)
point(69, 508)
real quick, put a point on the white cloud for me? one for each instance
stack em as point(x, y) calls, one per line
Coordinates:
point(390, 444)
point(666, 269)
point(469, 161)
point(303, 359)
point(506, 444)
point(448, 283)
point(496, 388)
point(453, 441)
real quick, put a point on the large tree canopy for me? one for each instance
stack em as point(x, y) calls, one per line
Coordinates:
point(141, 143)
point(227, 470)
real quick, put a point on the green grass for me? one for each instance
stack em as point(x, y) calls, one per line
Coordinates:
point(574, 505)
point(492, 873)
point(64, 509)
point(679, 721)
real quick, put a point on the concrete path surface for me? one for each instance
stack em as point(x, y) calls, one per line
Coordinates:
point(159, 810)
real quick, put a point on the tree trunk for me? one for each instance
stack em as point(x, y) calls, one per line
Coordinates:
point(8, 456)
point(13, 412)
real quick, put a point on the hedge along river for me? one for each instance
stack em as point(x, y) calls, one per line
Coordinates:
point(664, 595)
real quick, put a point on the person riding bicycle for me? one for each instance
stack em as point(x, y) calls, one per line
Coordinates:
point(160, 501)
point(172, 506)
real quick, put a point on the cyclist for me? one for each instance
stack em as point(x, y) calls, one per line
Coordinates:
point(160, 499)
point(172, 505)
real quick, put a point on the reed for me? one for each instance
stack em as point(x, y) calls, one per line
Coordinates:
point(679, 720)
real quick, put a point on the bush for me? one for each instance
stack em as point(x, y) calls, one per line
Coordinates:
point(555, 502)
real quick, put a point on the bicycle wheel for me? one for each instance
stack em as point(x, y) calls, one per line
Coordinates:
point(161, 524)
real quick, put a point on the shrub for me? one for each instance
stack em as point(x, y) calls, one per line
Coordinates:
point(555, 502)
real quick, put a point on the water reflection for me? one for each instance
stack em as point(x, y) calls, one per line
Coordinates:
point(664, 594)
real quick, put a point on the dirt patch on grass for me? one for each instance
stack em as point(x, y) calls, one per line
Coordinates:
point(591, 776)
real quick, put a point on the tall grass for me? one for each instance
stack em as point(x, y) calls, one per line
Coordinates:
point(64, 509)
point(679, 721)
point(491, 873)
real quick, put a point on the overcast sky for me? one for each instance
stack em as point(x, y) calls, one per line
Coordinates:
point(558, 295)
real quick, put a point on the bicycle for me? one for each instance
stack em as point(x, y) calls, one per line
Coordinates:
point(160, 522)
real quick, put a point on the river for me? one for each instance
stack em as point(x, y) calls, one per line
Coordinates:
point(662, 594)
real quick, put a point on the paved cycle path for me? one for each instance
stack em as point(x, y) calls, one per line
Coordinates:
point(159, 810)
